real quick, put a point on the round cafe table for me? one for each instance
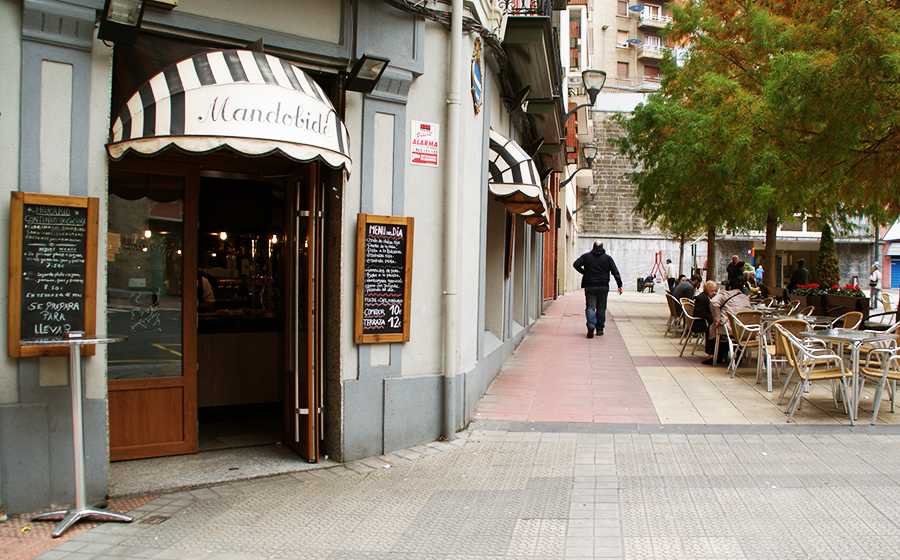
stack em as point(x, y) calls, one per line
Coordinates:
point(80, 509)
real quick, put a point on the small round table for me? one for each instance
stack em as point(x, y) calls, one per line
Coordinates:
point(80, 509)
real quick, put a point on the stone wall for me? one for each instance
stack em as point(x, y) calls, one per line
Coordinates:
point(612, 211)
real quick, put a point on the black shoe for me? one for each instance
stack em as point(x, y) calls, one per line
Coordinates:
point(707, 362)
point(590, 332)
point(600, 332)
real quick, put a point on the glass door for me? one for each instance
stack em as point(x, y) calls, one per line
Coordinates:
point(151, 298)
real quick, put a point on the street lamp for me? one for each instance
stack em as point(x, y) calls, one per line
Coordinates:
point(593, 81)
point(589, 151)
point(593, 192)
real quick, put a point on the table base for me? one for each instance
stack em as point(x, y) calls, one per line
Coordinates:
point(70, 516)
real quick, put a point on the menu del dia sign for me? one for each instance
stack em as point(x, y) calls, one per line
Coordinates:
point(53, 265)
point(383, 278)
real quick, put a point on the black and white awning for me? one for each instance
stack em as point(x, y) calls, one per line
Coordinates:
point(513, 176)
point(251, 102)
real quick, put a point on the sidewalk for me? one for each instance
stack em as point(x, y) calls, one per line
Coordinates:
point(612, 447)
point(633, 375)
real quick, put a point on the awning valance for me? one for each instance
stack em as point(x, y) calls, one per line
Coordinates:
point(892, 234)
point(513, 177)
point(251, 102)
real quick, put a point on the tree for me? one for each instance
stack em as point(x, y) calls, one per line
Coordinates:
point(780, 107)
point(827, 272)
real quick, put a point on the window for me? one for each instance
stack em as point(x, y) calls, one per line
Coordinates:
point(623, 8)
point(622, 39)
point(652, 12)
point(622, 69)
point(652, 42)
point(651, 72)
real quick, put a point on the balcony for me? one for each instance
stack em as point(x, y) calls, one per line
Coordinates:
point(650, 52)
point(652, 21)
point(526, 7)
point(631, 85)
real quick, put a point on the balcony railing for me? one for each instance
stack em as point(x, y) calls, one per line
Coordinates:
point(656, 20)
point(526, 7)
point(631, 85)
point(650, 51)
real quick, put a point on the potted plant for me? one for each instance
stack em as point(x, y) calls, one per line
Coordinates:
point(840, 300)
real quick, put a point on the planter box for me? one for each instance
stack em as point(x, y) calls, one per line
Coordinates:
point(838, 305)
point(815, 301)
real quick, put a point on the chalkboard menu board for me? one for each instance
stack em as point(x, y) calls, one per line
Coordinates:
point(383, 278)
point(53, 260)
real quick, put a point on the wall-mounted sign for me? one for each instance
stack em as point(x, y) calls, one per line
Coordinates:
point(476, 76)
point(53, 270)
point(424, 144)
point(383, 278)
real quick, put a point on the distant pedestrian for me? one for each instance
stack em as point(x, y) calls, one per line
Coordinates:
point(759, 274)
point(596, 267)
point(671, 273)
point(874, 287)
point(734, 268)
point(800, 277)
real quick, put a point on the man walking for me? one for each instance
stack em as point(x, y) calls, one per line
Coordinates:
point(595, 267)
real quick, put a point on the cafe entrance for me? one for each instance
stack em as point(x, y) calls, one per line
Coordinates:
point(213, 273)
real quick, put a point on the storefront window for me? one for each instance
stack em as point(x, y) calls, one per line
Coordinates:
point(144, 275)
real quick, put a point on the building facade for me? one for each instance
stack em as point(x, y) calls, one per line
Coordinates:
point(231, 255)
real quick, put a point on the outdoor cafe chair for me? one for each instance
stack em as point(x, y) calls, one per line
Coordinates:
point(689, 320)
point(882, 366)
point(745, 326)
point(849, 320)
point(767, 301)
point(807, 311)
point(773, 352)
point(674, 314)
point(815, 364)
point(790, 307)
point(886, 302)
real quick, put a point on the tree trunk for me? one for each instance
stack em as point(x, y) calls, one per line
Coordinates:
point(711, 254)
point(769, 273)
point(681, 254)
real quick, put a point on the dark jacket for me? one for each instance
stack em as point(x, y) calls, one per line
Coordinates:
point(595, 267)
point(702, 312)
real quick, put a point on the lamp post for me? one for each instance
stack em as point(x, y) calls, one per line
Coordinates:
point(593, 189)
point(589, 151)
point(593, 81)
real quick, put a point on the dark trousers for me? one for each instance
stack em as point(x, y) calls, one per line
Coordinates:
point(595, 306)
point(671, 283)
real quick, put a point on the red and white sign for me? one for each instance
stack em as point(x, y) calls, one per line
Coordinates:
point(424, 146)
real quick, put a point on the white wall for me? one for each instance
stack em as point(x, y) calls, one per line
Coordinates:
point(316, 19)
point(10, 61)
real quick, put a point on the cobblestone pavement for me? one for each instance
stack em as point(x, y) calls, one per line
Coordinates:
point(777, 492)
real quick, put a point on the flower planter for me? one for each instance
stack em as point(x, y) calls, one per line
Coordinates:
point(838, 305)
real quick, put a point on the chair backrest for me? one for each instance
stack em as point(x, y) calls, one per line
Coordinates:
point(685, 300)
point(793, 326)
point(791, 306)
point(808, 310)
point(741, 320)
point(674, 305)
point(788, 344)
point(688, 307)
point(886, 302)
point(767, 301)
point(851, 319)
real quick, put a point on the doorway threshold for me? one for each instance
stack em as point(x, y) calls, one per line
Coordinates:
point(208, 468)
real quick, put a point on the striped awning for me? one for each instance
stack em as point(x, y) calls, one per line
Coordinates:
point(251, 102)
point(513, 177)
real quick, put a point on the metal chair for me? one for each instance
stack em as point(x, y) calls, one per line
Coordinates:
point(767, 301)
point(882, 365)
point(745, 329)
point(689, 328)
point(807, 311)
point(790, 306)
point(774, 352)
point(814, 364)
point(674, 314)
point(849, 320)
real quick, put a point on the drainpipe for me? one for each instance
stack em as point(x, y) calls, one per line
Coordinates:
point(451, 219)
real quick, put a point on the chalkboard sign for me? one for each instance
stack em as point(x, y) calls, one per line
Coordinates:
point(383, 278)
point(53, 264)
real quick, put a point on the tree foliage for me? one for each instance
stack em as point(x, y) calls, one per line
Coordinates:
point(781, 106)
point(827, 271)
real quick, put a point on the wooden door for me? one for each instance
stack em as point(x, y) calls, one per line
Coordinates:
point(303, 320)
point(151, 298)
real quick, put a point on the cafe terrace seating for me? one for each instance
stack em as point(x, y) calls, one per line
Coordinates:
point(744, 334)
point(814, 363)
point(689, 320)
point(775, 353)
point(882, 366)
point(674, 314)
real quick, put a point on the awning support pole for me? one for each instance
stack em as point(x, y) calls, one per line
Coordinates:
point(451, 219)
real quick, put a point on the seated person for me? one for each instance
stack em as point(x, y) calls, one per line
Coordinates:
point(685, 289)
point(733, 299)
point(648, 283)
